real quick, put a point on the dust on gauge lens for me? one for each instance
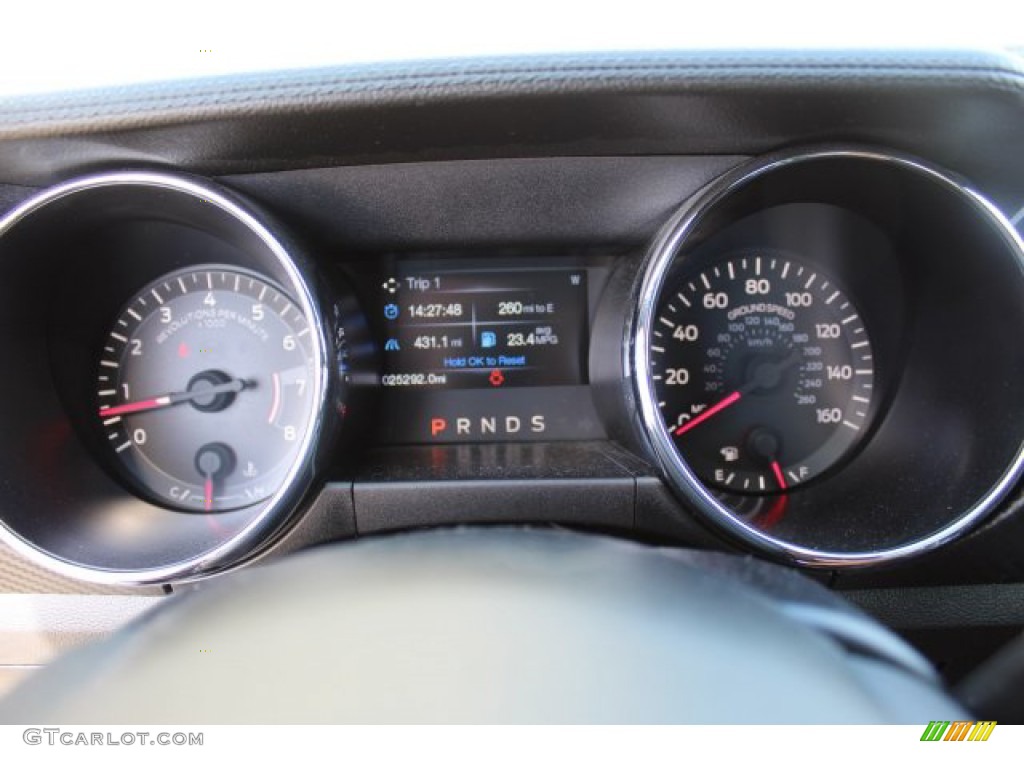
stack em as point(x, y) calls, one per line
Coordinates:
point(763, 371)
point(205, 388)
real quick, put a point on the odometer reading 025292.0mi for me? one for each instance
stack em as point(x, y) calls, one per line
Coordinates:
point(205, 388)
point(763, 372)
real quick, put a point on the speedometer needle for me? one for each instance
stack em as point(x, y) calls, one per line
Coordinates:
point(701, 418)
point(765, 375)
point(174, 398)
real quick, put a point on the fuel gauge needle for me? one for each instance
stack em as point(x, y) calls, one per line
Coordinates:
point(704, 416)
point(777, 471)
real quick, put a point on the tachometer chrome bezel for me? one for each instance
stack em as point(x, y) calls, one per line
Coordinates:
point(280, 509)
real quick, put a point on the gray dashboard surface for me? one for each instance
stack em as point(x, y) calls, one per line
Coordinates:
point(960, 109)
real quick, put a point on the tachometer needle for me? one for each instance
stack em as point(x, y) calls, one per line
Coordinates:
point(141, 405)
point(163, 401)
point(702, 417)
point(781, 478)
point(208, 492)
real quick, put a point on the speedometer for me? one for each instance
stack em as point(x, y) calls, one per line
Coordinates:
point(804, 374)
point(763, 371)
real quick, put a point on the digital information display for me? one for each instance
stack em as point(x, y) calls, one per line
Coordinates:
point(486, 349)
point(482, 329)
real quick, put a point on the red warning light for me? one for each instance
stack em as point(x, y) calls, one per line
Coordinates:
point(183, 349)
point(497, 378)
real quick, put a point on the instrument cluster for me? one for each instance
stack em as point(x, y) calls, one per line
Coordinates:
point(816, 356)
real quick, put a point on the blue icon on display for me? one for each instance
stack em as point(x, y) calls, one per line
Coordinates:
point(391, 345)
point(488, 339)
point(390, 311)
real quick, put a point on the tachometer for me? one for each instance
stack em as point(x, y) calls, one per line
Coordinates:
point(205, 388)
point(763, 371)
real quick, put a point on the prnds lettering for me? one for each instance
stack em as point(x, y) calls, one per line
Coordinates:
point(464, 426)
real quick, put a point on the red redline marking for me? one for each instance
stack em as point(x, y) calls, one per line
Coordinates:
point(778, 475)
point(277, 399)
point(142, 405)
point(700, 419)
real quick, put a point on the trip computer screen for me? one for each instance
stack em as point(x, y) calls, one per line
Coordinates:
point(485, 348)
point(467, 327)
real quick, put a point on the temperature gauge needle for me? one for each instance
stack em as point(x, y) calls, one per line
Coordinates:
point(214, 461)
point(702, 417)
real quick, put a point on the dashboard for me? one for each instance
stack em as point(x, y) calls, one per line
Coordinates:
point(759, 305)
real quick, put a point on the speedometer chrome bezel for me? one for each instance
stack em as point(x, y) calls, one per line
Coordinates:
point(280, 509)
point(662, 254)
